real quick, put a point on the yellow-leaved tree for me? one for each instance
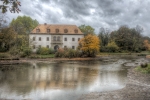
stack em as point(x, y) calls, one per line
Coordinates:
point(147, 45)
point(89, 45)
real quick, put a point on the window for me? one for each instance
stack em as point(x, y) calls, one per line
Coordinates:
point(58, 38)
point(76, 31)
point(73, 39)
point(37, 30)
point(65, 47)
point(47, 46)
point(48, 30)
point(39, 46)
point(78, 39)
point(33, 38)
point(54, 38)
point(57, 30)
point(33, 47)
point(73, 47)
point(47, 38)
point(65, 31)
point(65, 39)
point(39, 38)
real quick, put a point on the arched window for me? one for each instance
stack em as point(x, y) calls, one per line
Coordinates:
point(65, 31)
point(37, 30)
point(54, 38)
point(57, 30)
point(76, 31)
point(58, 38)
point(48, 30)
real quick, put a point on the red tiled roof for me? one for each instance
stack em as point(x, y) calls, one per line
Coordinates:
point(71, 29)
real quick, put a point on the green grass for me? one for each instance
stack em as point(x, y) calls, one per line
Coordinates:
point(143, 53)
point(42, 56)
point(143, 70)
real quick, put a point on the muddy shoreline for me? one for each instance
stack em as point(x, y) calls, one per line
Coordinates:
point(137, 88)
point(26, 60)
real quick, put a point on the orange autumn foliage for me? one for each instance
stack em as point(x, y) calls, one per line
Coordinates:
point(147, 45)
point(89, 45)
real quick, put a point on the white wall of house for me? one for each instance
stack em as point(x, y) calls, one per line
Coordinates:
point(69, 43)
point(44, 43)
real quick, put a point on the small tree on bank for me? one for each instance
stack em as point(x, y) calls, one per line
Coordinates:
point(89, 45)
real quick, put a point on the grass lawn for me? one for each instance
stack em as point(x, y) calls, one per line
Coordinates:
point(144, 70)
point(42, 56)
point(143, 53)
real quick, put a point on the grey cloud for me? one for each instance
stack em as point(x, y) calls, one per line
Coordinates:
point(96, 13)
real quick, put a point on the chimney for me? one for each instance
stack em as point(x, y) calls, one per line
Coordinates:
point(45, 23)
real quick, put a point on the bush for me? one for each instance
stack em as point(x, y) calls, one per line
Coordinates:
point(60, 53)
point(14, 51)
point(144, 65)
point(27, 51)
point(51, 51)
point(112, 47)
point(43, 51)
point(68, 53)
point(4, 55)
point(144, 68)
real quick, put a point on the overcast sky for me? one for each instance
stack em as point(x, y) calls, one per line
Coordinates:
point(109, 14)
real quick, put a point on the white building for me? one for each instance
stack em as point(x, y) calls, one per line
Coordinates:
point(55, 36)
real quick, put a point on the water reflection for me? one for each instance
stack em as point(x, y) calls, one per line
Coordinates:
point(60, 81)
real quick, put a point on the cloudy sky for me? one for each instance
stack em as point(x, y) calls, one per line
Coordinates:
point(109, 14)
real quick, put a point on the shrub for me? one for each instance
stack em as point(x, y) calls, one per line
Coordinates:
point(71, 53)
point(144, 68)
point(14, 51)
point(112, 47)
point(43, 51)
point(68, 53)
point(4, 55)
point(27, 51)
point(60, 53)
point(144, 65)
point(51, 51)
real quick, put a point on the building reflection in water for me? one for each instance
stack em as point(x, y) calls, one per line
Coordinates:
point(61, 76)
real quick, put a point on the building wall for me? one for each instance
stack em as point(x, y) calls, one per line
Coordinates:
point(42, 43)
point(69, 43)
point(52, 43)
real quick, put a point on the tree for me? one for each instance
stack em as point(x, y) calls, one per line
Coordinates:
point(7, 39)
point(104, 37)
point(112, 47)
point(23, 24)
point(12, 5)
point(147, 44)
point(86, 29)
point(128, 39)
point(89, 45)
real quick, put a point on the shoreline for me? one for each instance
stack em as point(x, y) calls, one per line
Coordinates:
point(137, 88)
point(26, 60)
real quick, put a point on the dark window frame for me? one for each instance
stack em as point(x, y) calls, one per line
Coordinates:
point(40, 39)
point(33, 38)
point(65, 39)
point(47, 38)
point(73, 47)
point(73, 39)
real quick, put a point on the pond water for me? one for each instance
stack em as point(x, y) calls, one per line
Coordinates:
point(61, 81)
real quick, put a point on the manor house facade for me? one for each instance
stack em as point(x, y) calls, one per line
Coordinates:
point(55, 36)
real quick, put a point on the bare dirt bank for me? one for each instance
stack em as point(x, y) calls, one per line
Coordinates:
point(137, 88)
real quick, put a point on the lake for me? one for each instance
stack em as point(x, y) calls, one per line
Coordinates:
point(61, 81)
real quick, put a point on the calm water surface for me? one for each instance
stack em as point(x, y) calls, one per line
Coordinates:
point(61, 81)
